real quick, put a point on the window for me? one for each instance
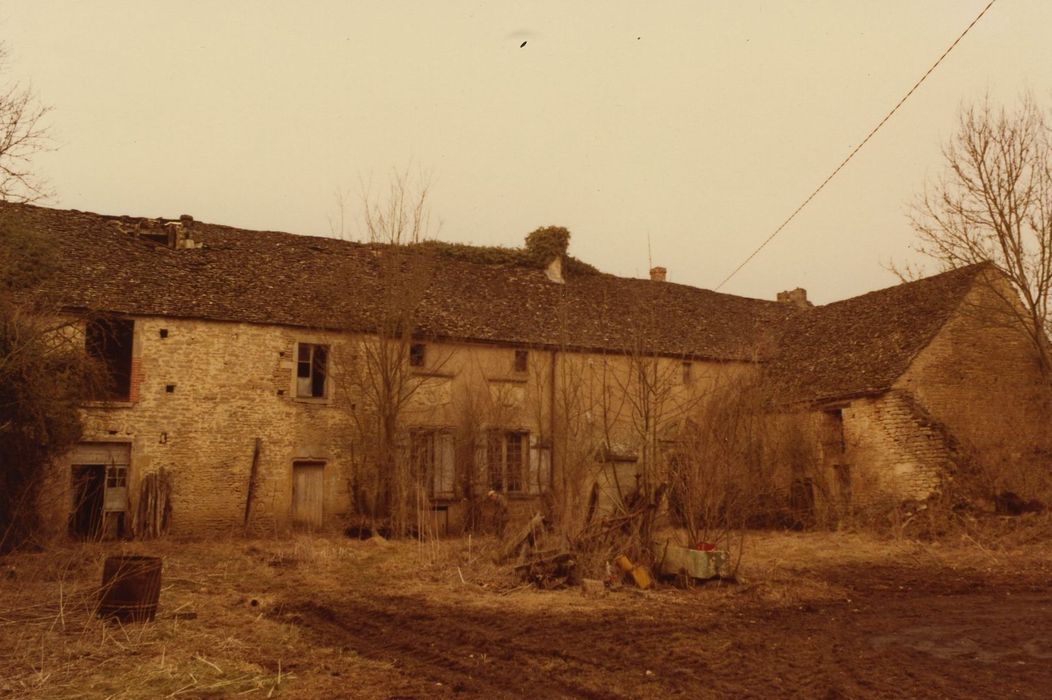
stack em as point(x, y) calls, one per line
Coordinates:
point(116, 476)
point(431, 460)
point(311, 369)
point(687, 370)
point(109, 342)
point(522, 360)
point(506, 460)
point(417, 354)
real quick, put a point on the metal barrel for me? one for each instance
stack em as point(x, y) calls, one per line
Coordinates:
point(131, 586)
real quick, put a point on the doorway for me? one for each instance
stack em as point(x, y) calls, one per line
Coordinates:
point(307, 494)
point(99, 490)
point(89, 484)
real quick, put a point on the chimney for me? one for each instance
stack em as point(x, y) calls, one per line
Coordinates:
point(554, 270)
point(657, 274)
point(797, 297)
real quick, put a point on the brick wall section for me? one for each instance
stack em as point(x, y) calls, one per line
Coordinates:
point(136, 378)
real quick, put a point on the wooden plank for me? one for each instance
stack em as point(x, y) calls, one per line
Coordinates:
point(253, 476)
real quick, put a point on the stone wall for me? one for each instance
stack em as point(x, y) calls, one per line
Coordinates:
point(203, 392)
point(892, 453)
point(201, 395)
point(980, 379)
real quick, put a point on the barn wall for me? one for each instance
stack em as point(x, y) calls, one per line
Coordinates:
point(891, 453)
point(979, 378)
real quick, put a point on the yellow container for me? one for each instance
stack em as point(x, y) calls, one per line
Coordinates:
point(641, 577)
point(639, 573)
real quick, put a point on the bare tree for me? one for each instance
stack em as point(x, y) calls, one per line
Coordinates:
point(44, 376)
point(22, 136)
point(397, 215)
point(994, 203)
point(385, 374)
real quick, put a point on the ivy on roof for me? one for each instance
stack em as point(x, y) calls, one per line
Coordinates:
point(542, 245)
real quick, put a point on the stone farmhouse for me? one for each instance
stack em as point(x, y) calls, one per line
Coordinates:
point(245, 368)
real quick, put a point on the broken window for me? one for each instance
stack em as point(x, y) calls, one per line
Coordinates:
point(311, 370)
point(506, 460)
point(522, 359)
point(109, 342)
point(417, 354)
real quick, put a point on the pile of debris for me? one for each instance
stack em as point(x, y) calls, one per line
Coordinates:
point(611, 551)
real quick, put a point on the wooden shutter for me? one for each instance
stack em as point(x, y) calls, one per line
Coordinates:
point(445, 473)
point(533, 471)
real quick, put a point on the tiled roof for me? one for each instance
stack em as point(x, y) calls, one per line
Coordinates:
point(279, 278)
point(863, 344)
point(856, 346)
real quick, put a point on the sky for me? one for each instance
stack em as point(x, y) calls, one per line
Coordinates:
point(672, 134)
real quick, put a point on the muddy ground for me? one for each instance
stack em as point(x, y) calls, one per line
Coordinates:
point(815, 615)
point(902, 631)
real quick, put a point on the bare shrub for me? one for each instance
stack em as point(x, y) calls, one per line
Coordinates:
point(740, 463)
point(379, 375)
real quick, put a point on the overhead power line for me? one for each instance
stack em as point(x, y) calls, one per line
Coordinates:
point(859, 146)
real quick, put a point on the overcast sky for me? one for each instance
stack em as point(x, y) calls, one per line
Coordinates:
point(700, 125)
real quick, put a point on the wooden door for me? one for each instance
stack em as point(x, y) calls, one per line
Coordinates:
point(307, 493)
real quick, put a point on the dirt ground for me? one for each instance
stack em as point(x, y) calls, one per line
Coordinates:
point(814, 615)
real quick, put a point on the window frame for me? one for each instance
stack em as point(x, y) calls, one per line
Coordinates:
point(521, 361)
point(312, 365)
point(499, 468)
point(426, 459)
point(110, 341)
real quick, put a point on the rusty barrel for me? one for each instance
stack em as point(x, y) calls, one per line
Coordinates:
point(131, 586)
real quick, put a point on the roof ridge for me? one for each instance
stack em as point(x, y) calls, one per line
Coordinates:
point(965, 270)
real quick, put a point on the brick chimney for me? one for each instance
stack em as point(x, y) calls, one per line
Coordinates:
point(657, 274)
point(797, 297)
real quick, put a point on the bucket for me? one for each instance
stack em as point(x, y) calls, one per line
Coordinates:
point(130, 588)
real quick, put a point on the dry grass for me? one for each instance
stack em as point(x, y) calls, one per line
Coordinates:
point(220, 631)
